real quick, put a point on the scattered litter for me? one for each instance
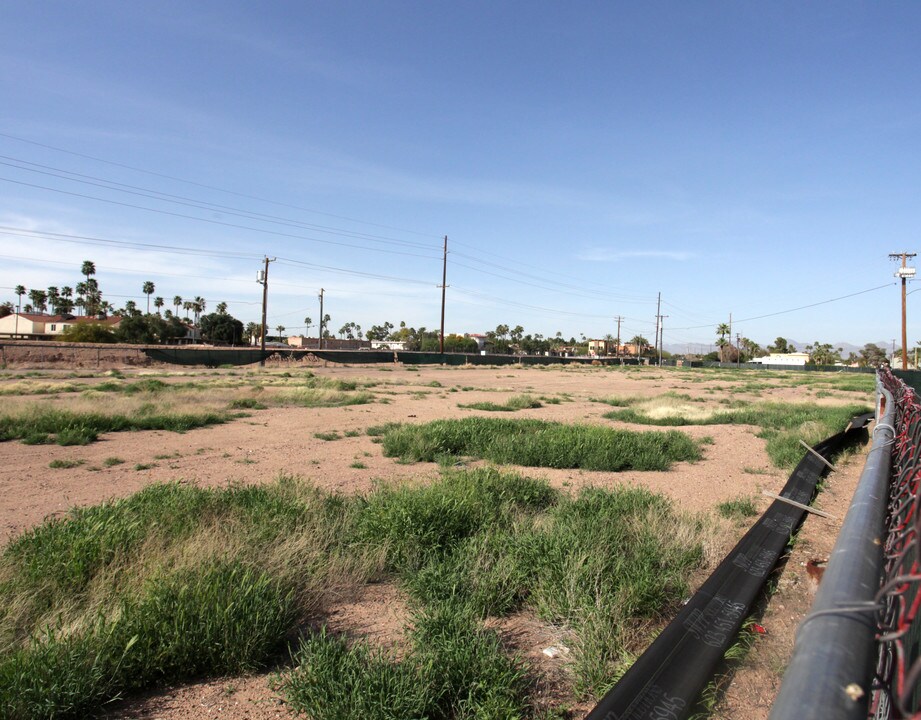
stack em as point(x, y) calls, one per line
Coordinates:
point(854, 692)
point(760, 629)
point(555, 651)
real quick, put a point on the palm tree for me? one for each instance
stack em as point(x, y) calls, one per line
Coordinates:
point(93, 302)
point(148, 289)
point(54, 297)
point(177, 303)
point(20, 291)
point(88, 268)
point(81, 295)
point(198, 307)
point(39, 300)
point(67, 294)
point(307, 323)
point(221, 308)
point(187, 305)
point(158, 303)
point(281, 331)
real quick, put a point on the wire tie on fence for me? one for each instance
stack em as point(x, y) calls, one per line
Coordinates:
point(799, 505)
point(883, 425)
point(818, 455)
point(846, 610)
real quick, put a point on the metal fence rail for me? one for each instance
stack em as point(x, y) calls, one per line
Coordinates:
point(897, 693)
point(830, 674)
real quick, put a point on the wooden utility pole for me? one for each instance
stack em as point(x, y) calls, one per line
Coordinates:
point(320, 339)
point(904, 272)
point(265, 301)
point(617, 349)
point(444, 285)
point(661, 334)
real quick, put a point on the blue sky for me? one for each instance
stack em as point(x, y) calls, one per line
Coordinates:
point(739, 157)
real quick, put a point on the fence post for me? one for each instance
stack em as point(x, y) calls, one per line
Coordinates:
point(832, 666)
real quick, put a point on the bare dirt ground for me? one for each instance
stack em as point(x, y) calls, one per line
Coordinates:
point(282, 440)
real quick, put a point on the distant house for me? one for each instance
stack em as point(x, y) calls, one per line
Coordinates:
point(480, 339)
point(300, 341)
point(39, 326)
point(388, 345)
point(791, 359)
point(602, 348)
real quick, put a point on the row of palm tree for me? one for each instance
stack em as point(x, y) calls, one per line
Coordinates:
point(87, 295)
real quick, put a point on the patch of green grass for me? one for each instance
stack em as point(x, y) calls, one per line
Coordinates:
point(538, 443)
point(783, 425)
point(737, 509)
point(352, 433)
point(144, 466)
point(112, 461)
point(516, 402)
point(320, 397)
point(247, 404)
point(381, 430)
point(455, 669)
point(40, 425)
point(358, 465)
point(179, 582)
point(328, 436)
point(618, 400)
point(65, 464)
point(755, 471)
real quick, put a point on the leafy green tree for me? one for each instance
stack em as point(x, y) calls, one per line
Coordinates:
point(89, 332)
point(148, 289)
point(6, 309)
point(379, 332)
point(460, 343)
point(781, 345)
point(872, 355)
point(221, 327)
point(142, 329)
point(823, 354)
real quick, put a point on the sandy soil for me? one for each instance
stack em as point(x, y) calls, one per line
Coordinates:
point(281, 440)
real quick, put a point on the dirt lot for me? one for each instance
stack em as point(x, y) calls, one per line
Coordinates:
point(282, 440)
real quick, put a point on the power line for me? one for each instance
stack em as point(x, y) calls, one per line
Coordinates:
point(214, 222)
point(196, 203)
point(214, 187)
point(790, 310)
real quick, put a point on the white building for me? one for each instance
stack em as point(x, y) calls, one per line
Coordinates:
point(792, 359)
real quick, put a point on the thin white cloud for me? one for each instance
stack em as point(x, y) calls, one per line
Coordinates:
point(613, 255)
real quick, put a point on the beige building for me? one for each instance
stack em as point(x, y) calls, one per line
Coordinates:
point(39, 326)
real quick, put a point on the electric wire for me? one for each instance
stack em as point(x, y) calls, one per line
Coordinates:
point(790, 310)
point(216, 222)
point(212, 187)
point(201, 204)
